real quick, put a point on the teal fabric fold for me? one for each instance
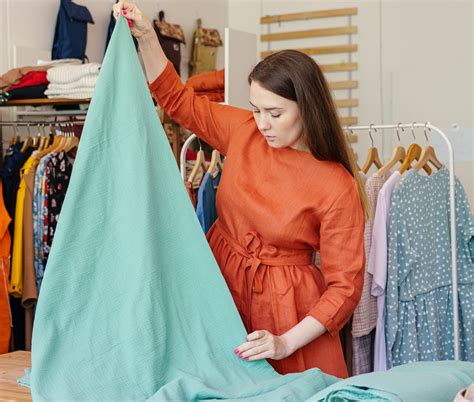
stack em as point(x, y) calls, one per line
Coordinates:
point(416, 382)
point(133, 305)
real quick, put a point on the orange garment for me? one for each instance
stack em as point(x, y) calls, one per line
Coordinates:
point(5, 242)
point(212, 81)
point(275, 208)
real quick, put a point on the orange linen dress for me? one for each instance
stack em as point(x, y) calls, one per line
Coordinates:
point(276, 207)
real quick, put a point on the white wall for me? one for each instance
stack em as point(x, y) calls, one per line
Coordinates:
point(416, 63)
point(39, 16)
point(416, 58)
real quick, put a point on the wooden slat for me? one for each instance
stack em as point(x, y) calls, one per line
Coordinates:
point(338, 67)
point(344, 84)
point(319, 50)
point(340, 12)
point(310, 33)
point(347, 102)
point(44, 102)
point(347, 121)
point(352, 139)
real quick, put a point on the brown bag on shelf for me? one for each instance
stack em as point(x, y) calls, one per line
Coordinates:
point(170, 36)
point(204, 50)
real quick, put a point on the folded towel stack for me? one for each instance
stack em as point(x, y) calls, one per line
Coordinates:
point(72, 81)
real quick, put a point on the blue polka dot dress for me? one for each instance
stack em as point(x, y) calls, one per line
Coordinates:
point(419, 318)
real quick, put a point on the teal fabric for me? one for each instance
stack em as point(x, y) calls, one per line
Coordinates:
point(415, 382)
point(133, 305)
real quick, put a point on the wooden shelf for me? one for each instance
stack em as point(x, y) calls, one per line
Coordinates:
point(341, 12)
point(45, 102)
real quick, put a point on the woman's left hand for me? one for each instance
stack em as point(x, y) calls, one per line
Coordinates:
point(263, 345)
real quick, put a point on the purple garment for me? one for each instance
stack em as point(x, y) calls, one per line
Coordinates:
point(377, 266)
point(364, 318)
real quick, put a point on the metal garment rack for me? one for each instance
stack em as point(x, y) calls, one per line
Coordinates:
point(182, 157)
point(33, 123)
point(452, 195)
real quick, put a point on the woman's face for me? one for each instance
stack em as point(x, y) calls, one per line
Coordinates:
point(277, 118)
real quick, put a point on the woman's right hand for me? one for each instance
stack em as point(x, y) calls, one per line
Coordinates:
point(138, 23)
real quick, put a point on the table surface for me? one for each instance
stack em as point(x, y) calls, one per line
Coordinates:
point(12, 366)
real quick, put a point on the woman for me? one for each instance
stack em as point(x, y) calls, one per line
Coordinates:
point(289, 188)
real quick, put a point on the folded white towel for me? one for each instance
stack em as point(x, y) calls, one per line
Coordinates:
point(85, 82)
point(58, 62)
point(70, 73)
point(75, 93)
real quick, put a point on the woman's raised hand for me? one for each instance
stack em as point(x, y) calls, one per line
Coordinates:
point(138, 23)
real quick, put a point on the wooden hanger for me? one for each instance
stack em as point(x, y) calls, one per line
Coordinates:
point(413, 154)
point(26, 144)
point(398, 156)
point(373, 156)
point(200, 163)
point(428, 154)
point(215, 162)
point(71, 142)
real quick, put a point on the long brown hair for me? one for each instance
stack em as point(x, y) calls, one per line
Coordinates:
point(296, 76)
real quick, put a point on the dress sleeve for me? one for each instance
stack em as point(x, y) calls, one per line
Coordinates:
point(342, 261)
point(210, 121)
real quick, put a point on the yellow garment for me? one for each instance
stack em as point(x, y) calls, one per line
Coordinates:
point(16, 279)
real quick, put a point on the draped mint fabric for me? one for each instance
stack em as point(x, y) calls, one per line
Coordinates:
point(133, 305)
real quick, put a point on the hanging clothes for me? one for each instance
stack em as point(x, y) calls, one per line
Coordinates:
point(364, 318)
point(30, 292)
point(206, 201)
point(5, 312)
point(267, 262)
point(419, 321)
point(377, 266)
point(16, 280)
point(58, 173)
point(40, 213)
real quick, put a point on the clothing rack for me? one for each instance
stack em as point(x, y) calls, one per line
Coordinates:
point(39, 122)
point(452, 194)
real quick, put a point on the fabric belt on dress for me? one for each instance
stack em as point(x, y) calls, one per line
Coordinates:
point(258, 254)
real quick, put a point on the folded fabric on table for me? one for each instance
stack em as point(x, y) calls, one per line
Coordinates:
point(71, 73)
point(437, 381)
point(85, 82)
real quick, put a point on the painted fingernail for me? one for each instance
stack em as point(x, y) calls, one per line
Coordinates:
point(240, 356)
point(246, 358)
point(124, 12)
point(236, 351)
point(130, 23)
